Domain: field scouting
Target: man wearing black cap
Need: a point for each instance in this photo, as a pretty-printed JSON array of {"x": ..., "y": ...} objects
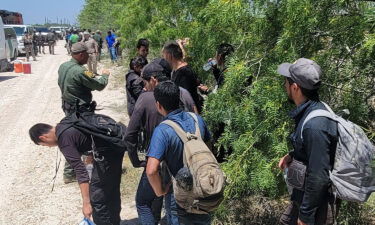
[
  {"x": 313, "y": 148},
  {"x": 76, "y": 84}
]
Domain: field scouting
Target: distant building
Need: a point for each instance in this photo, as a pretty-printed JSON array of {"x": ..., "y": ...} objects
[{"x": 11, "y": 17}]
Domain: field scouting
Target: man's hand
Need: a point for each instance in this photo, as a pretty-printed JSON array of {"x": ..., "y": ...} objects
[
  {"x": 300, "y": 222},
  {"x": 284, "y": 161},
  {"x": 203, "y": 88},
  {"x": 106, "y": 72},
  {"x": 87, "y": 210}
]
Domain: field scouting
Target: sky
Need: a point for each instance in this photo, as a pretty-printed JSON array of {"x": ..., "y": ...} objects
[{"x": 35, "y": 11}]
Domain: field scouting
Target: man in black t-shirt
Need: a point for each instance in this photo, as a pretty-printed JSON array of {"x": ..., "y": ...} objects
[
  {"x": 101, "y": 194},
  {"x": 182, "y": 74}
]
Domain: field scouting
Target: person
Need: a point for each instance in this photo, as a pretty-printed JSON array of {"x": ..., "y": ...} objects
[
  {"x": 217, "y": 66},
  {"x": 29, "y": 48},
  {"x": 35, "y": 42},
  {"x": 100, "y": 195},
  {"x": 51, "y": 39},
  {"x": 67, "y": 42},
  {"x": 182, "y": 74},
  {"x": 111, "y": 39},
  {"x": 166, "y": 145},
  {"x": 134, "y": 83},
  {"x": 98, "y": 38},
  {"x": 118, "y": 49},
  {"x": 92, "y": 50},
  {"x": 315, "y": 148},
  {"x": 146, "y": 118},
  {"x": 143, "y": 47},
  {"x": 76, "y": 85},
  {"x": 40, "y": 42},
  {"x": 74, "y": 38}
]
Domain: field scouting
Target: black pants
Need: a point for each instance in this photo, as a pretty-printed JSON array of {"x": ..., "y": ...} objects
[
  {"x": 105, "y": 189},
  {"x": 325, "y": 215}
]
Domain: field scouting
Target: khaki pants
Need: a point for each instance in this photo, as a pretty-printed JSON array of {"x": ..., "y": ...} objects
[
  {"x": 51, "y": 47},
  {"x": 92, "y": 63},
  {"x": 29, "y": 49}
]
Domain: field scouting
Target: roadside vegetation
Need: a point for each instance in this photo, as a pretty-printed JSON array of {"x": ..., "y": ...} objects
[{"x": 338, "y": 34}]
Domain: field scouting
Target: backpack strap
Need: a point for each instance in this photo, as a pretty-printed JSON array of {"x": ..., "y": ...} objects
[
  {"x": 319, "y": 113},
  {"x": 185, "y": 136},
  {"x": 197, "y": 130}
]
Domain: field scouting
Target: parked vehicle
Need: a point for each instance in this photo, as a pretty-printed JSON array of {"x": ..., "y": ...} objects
[
  {"x": 11, "y": 43},
  {"x": 11, "y": 17},
  {"x": 20, "y": 32},
  {"x": 60, "y": 31},
  {"x": 3, "y": 52}
]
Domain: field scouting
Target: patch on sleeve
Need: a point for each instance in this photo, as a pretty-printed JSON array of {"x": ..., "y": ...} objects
[{"x": 89, "y": 74}]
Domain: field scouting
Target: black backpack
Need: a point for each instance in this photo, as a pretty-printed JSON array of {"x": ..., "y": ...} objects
[{"x": 99, "y": 126}]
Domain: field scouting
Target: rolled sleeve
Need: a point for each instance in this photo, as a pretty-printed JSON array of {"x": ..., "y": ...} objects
[
  {"x": 96, "y": 83},
  {"x": 159, "y": 143},
  {"x": 131, "y": 135},
  {"x": 317, "y": 146}
]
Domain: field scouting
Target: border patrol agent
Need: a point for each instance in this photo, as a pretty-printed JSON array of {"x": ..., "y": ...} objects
[{"x": 76, "y": 84}]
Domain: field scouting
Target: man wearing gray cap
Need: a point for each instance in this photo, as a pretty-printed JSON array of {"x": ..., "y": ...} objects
[
  {"x": 76, "y": 84},
  {"x": 313, "y": 148}
]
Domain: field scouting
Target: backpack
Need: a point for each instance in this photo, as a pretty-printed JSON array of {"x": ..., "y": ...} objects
[
  {"x": 99, "y": 126},
  {"x": 352, "y": 174},
  {"x": 208, "y": 181}
]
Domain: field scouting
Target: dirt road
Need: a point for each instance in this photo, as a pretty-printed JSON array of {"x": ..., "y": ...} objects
[{"x": 26, "y": 170}]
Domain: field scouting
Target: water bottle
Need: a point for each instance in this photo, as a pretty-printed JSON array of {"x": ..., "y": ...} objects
[
  {"x": 209, "y": 65},
  {"x": 89, "y": 168}
]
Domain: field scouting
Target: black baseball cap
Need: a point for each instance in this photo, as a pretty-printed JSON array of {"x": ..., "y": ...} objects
[
  {"x": 152, "y": 69},
  {"x": 304, "y": 72}
]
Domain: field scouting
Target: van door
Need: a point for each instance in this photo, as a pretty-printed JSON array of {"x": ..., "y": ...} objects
[{"x": 3, "y": 53}]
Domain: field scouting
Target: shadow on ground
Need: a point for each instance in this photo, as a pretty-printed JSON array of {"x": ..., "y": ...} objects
[{"x": 4, "y": 78}]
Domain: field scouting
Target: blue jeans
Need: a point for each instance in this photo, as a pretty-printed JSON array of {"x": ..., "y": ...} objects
[
  {"x": 171, "y": 209},
  {"x": 112, "y": 52},
  {"x": 147, "y": 203}
]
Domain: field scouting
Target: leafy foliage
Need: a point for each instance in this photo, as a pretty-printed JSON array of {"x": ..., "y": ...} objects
[{"x": 337, "y": 34}]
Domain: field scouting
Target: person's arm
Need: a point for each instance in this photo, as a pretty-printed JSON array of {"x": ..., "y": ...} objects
[
  {"x": 94, "y": 83},
  {"x": 73, "y": 157},
  {"x": 153, "y": 175},
  {"x": 156, "y": 152},
  {"x": 137, "y": 88},
  {"x": 96, "y": 47},
  {"x": 86, "y": 208},
  {"x": 131, "y": 135},
  {"x": 317, "y": 146}
]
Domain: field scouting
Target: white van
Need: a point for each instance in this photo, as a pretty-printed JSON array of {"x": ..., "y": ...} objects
[
  {"x": 20, "y": 32},
  {"x": 3, "y": 51},
  {"x": 11, "y": 43}
]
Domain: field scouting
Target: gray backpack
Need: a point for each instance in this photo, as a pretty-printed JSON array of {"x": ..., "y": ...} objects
[
  {"x": 352, "y": 174},
  {"x": 204, "y": 192}
]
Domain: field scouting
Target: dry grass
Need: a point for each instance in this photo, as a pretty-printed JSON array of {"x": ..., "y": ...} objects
[{"x": 129, "y": 180}]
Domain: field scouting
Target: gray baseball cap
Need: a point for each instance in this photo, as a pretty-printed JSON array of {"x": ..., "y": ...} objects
[
  {"x": 79, "y": 47},
  {"x": 305, "y": 72}
]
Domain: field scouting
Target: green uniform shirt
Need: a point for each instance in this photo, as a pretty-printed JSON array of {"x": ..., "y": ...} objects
[{"x": 76, "y": 82}]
